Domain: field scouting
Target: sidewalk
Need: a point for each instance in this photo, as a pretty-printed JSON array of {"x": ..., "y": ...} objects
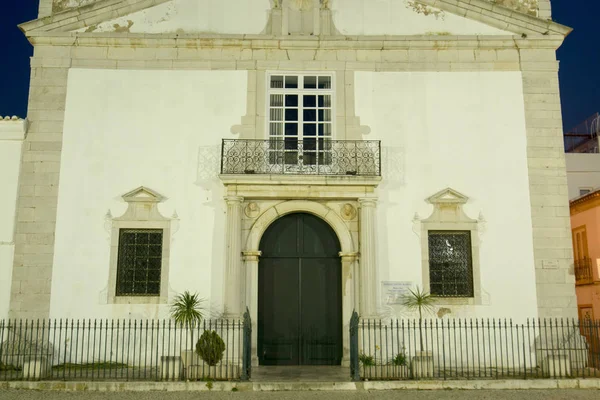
[{"x": 540, "y": 384}]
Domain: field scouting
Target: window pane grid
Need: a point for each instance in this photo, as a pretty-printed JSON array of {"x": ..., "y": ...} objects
[
  {"x": 139, "y": 262},
  {"x": 450, "y": 264},
  {"x": 300, "y": 115}
]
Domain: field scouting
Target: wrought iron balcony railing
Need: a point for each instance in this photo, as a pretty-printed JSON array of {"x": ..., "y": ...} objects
[
  {"x": 583, "y": 271},
  {"x": 301, "y": 157}
]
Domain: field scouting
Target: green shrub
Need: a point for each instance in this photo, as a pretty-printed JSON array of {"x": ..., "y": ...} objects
[
  {"x": 400, "y": 359},
  {"x": 367, "y": 361},
  {"x": 210, "y": 347}
]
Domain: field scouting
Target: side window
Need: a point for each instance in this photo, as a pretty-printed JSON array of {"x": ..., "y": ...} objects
[
  {"x": 140, "y": 251},
  {"x": 450, "y": 250},
  {"x": 139, "y": 262},
  {"x": 450, "y": 264}
]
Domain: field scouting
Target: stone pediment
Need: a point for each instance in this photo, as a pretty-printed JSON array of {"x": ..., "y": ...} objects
[
  {"x": 144, "y": 195},
  {"x": 259, "y": 17},
  {"x": 448, "y": 196}
]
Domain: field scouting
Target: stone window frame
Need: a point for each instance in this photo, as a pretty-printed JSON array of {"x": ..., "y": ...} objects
[
  {"x": 448, "y": 215},
  {"x": 142, "y": 213}
]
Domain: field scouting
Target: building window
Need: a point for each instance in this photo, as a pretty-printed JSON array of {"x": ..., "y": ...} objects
[
  {"x": 140, "y": 248},
  {"x": 450, "y": 250},
  {"x": 300, "y": 119},
  {"x": 450, "y": 264},
  {"x": 584, "y": 191},
  {"x": 139, "y": 262}
]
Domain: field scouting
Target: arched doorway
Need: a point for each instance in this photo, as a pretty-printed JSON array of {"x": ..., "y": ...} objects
[{"x": 299, "y": 293}]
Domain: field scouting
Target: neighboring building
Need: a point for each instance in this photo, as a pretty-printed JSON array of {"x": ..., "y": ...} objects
[
  {"x": 301, "y": 158},
  {"x": 585, "y": 222},
  {"x": 583, "y": 158},
  {"x": 583, "y": 178}
]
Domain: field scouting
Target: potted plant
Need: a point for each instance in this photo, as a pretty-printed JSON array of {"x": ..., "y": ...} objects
[
  {"x": 421, "y": 301},
  {"x": 188, "y": 312}
]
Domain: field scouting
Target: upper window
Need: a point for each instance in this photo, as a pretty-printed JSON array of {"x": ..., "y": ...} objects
[
  {"x": 450, "y": 264},
  {"x": 300, "y": 119},
  {"x": 139, "y": 262},
  {"x": 584, "y": 191}
]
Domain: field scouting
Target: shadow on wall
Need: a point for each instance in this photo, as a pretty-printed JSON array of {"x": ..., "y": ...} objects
[{"x": 208, "y": 168}]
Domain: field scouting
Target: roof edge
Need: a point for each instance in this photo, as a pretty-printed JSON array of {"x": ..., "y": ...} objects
[
  {"x": 478, "y": 10},
  {"x": 499, "y": 17},
  {"x": 86, "y": 15}
]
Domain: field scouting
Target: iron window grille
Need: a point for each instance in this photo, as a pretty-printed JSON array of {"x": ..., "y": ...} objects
[
  {"x": 139, "y": 262},
  {"x": 450, "y": 264}
]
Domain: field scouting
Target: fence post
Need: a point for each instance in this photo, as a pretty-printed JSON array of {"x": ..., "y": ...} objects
[
  {"x": 247, "y": 347},
  {"x": 354, "y": 368}
]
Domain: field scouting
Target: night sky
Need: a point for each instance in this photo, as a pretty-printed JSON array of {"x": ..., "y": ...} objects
[{"x": 579, "y": 58}]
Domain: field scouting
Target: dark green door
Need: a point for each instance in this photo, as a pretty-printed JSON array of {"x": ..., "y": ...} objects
[{"x": 300, "y": 293}]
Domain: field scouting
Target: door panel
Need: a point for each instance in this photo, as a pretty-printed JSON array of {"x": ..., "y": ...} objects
[
  {"x": 320, "y": 316},
  {"x": 279, "y": 280},
  {"x": 299, "y": 306}
]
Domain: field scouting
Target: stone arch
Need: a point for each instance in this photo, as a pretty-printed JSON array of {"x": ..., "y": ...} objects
[{"x": 293, "y": 206}]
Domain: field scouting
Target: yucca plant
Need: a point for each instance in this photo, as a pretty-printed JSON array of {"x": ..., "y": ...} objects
[
  {"x": 419, "y": 300},
  {"x": 187, "y": 311}
]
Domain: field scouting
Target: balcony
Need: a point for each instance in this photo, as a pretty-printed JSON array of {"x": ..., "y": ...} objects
[
  {"x": 583, "y": 271},
  {"x": 291, "y": 156}
]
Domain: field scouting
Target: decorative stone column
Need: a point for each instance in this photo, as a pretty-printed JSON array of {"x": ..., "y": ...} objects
[
  {"x": 251, "y": 265},
  {"x": 349, "y": 298},
  {"x": 233, "y": 279},
  {"x": 368, "y": 266}
]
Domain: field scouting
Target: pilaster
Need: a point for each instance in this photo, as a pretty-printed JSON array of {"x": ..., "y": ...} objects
[
  {"x": 553, "y": 253},
  {"x": 234, "y": 290},
  {"x": 251, "y": 259},
  {"x": 38, "y": 193},
  {"x": 368, "y": 262}
]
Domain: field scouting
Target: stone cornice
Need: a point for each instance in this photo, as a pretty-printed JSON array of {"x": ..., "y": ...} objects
[
  {"x": 140, "y": 40},
  {"x": 499, "y": 17},
  {"x": 13, "y": 129},
  {"x": 87, "y": 15},
  {"x": 585, "y": 202}
]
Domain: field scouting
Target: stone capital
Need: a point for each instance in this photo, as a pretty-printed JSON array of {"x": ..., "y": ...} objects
[
  {"x": 234, "y": 200},
  {"x": 251, "y": 255},
  {"x": 348, "y": 256},
  {"x": 367, "y": 202}
]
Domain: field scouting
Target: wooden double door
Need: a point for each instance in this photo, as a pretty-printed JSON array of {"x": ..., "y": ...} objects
[{"x": 300, "y": 293}]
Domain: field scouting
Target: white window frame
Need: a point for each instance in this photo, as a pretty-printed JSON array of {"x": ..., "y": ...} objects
[{"x": 301, "y": 92}]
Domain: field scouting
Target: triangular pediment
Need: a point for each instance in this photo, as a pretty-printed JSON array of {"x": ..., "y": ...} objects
[
  {"x": 448, "y": 196},
  {"x": 143, "y": 194},
  {"x": 352, "y": 17}
]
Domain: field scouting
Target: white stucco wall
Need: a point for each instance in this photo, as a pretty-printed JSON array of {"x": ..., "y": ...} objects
[
  {"x": 124, "y": 129},
  {"x": 583, "y": 171},
  {"x": 10, "y": 159},
  {"x": 465, "y": 131}
]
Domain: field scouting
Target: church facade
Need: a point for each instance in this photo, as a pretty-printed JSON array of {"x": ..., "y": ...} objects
[{"x": 297, "y": 158}]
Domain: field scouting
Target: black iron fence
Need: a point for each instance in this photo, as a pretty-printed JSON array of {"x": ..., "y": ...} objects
[
  {"x": 474, "y": 349},
  {"x": 122, "y": 350},
  {"x": 318, "y": 156}
]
